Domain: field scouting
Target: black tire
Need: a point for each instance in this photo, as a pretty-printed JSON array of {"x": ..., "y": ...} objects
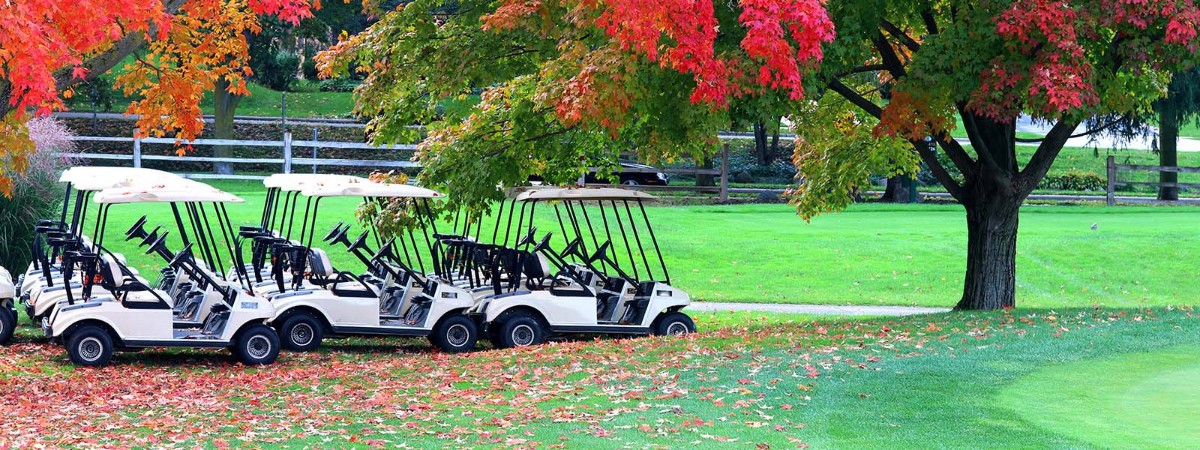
[
  {"x": 520, "y": 330},
  {"x": 8, "y": 324},
  {"x": 256, "y": 345},
  {"x": 90, "y": 346},
  {"x": 675, "y": 323},
  {"x": 301, "y": 333},
  {"x": 455, "y": 334}
]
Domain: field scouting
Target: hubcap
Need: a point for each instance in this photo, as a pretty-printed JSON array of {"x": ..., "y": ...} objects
[
  {"x": 90, "y": 349},
  {"x": 258, "y": 346},
  {"x": 302, "y": 334},
  {"x": 677, "y": 328},
  {"x": 458, "y": 335},
  {"x": 522, "y": 335}
]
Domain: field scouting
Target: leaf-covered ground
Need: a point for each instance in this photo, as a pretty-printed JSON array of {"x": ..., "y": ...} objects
[{"x": 748, "y": 381}]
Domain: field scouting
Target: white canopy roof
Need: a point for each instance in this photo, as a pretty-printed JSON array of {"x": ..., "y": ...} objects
[
  {"x": 299, "y": 181},
  {"x": 371, "y": 189},
  {"x": 91, "y": 178},
  {"x": 558, "y": 193},
  {"x": 197, "y": 192}
]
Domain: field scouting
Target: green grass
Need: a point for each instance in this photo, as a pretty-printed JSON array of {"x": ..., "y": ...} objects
[
  {"x": 871, "y": 254},
  {"x": 305, "y": 100},
  {"x": 947, "y": 380},
  {"x": 1146, "y": 399}
]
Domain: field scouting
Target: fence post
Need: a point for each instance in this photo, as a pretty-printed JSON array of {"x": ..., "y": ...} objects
[
  {"x": 314, "y": 150},
  {"x": 1112, "y": 180},
  {"x": 287, "y": 152},
  {"x": 137, "y": 150},
  {"x": 725, "y": 172}
]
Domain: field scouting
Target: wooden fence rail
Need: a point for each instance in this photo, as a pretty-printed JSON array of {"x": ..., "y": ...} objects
[
  {"x": 1113, "y": 182},
  {"x": 287, "y": 159}
]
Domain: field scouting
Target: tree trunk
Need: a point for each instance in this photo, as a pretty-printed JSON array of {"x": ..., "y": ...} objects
[
  {"x": 706, "y": 179},
  {"x": 760, "y": 143},
  {"x": 224, "y": 106},
  {"x": 774, "y": 142},
  {"x": 991, "y": 253},
  {"x": 896, "y": 191},
  {"x": 1168, "y": 138}
]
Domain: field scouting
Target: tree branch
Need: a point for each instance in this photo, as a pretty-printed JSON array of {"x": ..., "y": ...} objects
[
  {"x": 904, "y": 38},
  {"x": 1076, "y": 135},
  {"x": 890, "y": 60},
  {"x": 103, "y": 62},
  {"x": 857, "y": 99},
  {"x": 861, "y": 69},
  {"x": 981, "y": 147},
  {"x": 958, "y": 155},
  {"x": 1045, "y": 155},
  {"x": 930, "y": 23},
  {"x": 931, "y": 160}
]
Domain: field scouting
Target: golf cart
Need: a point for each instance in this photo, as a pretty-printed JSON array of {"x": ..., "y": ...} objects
[
  {"x": 53, "y": 238},
  {"x": 44, "y": 297},
  {"x": 392, "y": 299},
  {"x": 8, "y": 308},
  {"x": 129, "y": 314},
  {"x": 595, "y": 293}
]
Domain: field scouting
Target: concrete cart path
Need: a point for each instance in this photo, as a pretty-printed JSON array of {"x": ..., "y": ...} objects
[{"x": 816, "y": 309}]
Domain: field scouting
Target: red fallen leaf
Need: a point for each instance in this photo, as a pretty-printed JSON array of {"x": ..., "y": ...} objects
[
  {"x": 645, "y": 428},
  {"x": 353, "y": 438},
  {"x": 786, "y": 406},
  {"x": 745, "y": 381}
]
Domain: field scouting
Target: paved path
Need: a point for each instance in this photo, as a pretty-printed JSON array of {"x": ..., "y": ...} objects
[{"x": 816, "y": 309}]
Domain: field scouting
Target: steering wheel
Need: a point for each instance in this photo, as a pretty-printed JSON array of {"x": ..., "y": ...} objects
[
  {"x": 337, "y": 229},
  {"x": 182, "y": 256},
  {"x": 543, "y": 244},
  {"x": 572, "y": 248},
  {"x": 528, "y": 239},
  {"x": 150, "y": 237},
  {"x": 361, "y": 242},
  {"x": 601, "y": 252},
  {"x": 137, "y": 230},
  {"x": 158, "y": 243},
  {"x": 384, "y": 250}
]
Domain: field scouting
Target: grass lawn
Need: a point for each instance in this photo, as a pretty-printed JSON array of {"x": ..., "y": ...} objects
[
  {"x": 305, "y": 100},
  {"x": 872, "y": 254},
  {"x": 956, "y": 380}
]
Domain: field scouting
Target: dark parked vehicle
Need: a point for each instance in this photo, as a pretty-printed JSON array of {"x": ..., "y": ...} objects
[{"x": 631, "y": 174}]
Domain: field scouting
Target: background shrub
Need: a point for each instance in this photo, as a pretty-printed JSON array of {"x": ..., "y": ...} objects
[
  {"x": 340, "y": 84},
  {"x": 36, "y": 193},
  {"x": 1074, "y": 180}
]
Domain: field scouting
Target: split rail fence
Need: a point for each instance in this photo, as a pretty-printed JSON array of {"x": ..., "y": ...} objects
[{"x": 1114, "y": 181}]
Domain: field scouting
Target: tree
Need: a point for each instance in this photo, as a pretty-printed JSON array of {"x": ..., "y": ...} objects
[
  {"x": 568, "y": 81},
  {"x": 1181, "y": 105},
  {"x": 190, "y": 44},
  {"x": 571, "y": 83},
  {"x": 988, "y": 62}
]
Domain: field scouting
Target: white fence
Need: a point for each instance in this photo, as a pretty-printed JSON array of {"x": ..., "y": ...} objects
[{"x": 286, "y": 147}]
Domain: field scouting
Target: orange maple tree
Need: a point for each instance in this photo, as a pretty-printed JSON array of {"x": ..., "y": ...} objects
[{"x": 190, "y": 44}]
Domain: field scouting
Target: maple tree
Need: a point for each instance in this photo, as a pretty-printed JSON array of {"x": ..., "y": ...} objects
[
  {"x": 988, "y": 62},
  {"x": 561, "y": 90},
  {"x": 189, "y": 46},
  {"x": 568, "y": 84}
]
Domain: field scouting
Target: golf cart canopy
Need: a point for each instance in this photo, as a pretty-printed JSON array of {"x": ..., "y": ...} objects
[
  {"x": 99, "y": 178},
  {"x": 299, "y": 181},
  {"x": 372, "y": 189},
  {"x": 167, "y": 194},
  {"x": 582, "y": 194}
]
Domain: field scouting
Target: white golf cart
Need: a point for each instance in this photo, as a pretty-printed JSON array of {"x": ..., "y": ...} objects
[
  {"x": 8, "y": 307},
  {"x": 52, "y": 238},
  {"x": 391, "y": 300},
  {"x": 594, "y": 294},
  {"x": 132, "y": 315}
]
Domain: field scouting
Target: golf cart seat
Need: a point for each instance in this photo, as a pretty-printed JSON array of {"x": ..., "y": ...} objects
[
  {"x": 537, "y": 272},
  {"x": 342, "y": 284},
  {"x": 134, "y": 293}
]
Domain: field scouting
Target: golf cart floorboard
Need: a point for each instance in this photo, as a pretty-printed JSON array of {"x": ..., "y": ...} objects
[
  {"x": 605, "y": 329},
  {"x": 179, "y": 325},
  {"x": 405, "y": 330},
  {"x": 177, "y": 343},
  {"x": 192, "y": 334}
]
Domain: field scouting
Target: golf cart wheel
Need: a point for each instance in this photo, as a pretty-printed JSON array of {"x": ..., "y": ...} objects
[
  {"x": 675, "y": 324},
  {"x": 8, "y": 323},
  {"x": 455, "y": 334},
  {"x": 301, "y": 333},
  {"x": 257, "y": 345},
  {"x": 521, "y": 330},
  {"x": 90, "y": 346},
  {"x": 630, "y": 182}
]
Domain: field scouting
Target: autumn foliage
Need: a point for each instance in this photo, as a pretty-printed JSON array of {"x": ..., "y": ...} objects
[{"x": 190, "y": 44}]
